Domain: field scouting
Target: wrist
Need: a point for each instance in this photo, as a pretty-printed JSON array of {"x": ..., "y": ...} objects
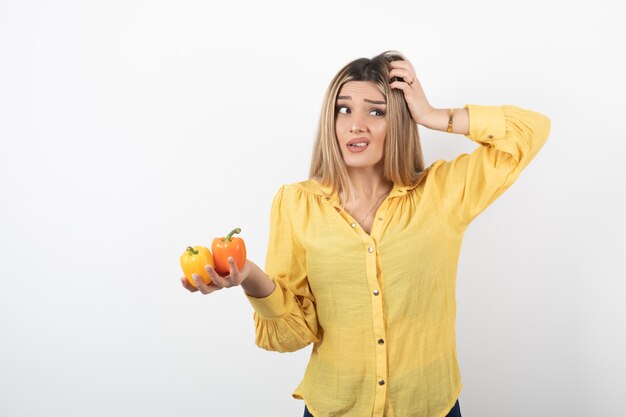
[
  {"x": 257, "y": 284},
  {"x": 430, "y": 117},
  {"x": 250, "y": 269},
  {"x": 438, "y": 119}
]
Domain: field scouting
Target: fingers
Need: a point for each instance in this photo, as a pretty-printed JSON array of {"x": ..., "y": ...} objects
[
  {"x": 229, "y": 280},
  {"x": 234, "y": 271},
  {"x": 402, "y": 64},
  {"x": 187, "y": 285},
  {"x": 401, "y": 85},
  {"x": 405, "y": 74},
  {"x": 204, "y": 288},
  {"x": 217, "y": 282},
  {"x": 402, "y": 69}
]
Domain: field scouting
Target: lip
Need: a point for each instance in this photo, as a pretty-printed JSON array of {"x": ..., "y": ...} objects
[{"x": 359, "y": 140}]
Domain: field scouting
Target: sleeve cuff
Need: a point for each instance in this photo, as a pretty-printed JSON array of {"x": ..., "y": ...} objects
[
  {"x": 274, "y": 305},
  {"x": 486, "y": 123}
]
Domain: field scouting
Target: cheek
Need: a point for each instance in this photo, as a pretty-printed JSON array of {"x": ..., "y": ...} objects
[
  {"x": 340, "y": 125},
  {"x": 381, "y": 132}
]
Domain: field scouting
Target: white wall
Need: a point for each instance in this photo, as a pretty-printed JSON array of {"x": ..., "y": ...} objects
[{"x": 132, "y": 129}]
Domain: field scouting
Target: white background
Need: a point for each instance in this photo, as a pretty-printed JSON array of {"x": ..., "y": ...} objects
[{"x": 132, "y": 129}]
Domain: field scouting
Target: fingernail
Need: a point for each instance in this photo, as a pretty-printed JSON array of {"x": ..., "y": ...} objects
[
  {"x": 208, "y": 267},
  {"x": 230, "y": 259}
]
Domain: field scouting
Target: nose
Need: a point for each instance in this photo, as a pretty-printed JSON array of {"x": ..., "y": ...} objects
[{"x": 357, "y": 123}]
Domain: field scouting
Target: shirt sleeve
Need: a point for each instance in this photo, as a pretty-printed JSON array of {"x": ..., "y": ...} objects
[
  {"x": 285, "y": 320},
  {"x": 510, "y": 137}
]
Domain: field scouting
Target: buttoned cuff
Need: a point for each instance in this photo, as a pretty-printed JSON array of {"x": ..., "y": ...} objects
[
  {"x": 274, "y": 305},
  {"x": 486, "y": 123}
]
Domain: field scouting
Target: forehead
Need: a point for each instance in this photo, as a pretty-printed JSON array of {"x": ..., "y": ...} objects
[{"x": 365, "y": 89}]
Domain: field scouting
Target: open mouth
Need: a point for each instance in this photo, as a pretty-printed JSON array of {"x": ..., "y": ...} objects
[{"x": 357, "y": 146}]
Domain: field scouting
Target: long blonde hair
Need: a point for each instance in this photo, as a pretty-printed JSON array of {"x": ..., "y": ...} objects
[{"x": 403, "y": 160}]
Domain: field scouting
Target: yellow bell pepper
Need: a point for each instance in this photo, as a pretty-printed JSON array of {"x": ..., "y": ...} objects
[{"x": 194, "y": 260}]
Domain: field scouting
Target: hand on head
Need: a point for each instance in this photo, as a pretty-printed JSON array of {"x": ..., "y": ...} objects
[{"x": 411, "y": 87}]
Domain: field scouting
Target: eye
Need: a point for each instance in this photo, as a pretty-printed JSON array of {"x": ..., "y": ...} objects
[{"x": 338, "y": 109}]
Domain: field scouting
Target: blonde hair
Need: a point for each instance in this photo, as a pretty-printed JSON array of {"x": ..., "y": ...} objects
[{"x": 403, "y": 161}]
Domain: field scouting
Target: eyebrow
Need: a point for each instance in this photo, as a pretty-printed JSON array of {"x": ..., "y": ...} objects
[{"x": 365, "y": 99}]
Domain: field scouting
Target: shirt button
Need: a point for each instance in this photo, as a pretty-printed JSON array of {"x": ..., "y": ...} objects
[
  {"x": 376, "y": 292},
  {"x": 380, "y": 219},
  {"x": 490, "y": 136},
  {"x": 381, "y": 342},
  {"x": 353, "y": 224},
  {"x": 381, "y": 382},
  {"x": 370, "y": 249}
]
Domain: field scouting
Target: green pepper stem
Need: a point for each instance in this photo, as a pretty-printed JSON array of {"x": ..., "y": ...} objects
[
  {"x": 237, "y": 230},
  {"x": 192, "y": 251}
]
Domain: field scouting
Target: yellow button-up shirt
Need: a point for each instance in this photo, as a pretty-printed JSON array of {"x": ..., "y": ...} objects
[{"x": 380, "y": 308}]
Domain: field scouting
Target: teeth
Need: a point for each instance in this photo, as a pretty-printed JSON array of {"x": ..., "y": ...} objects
[{"x": 361, "y": 144}]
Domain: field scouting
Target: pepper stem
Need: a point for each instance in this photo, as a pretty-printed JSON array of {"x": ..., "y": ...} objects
[
  {"x": 192, "y": 251},
  {"x": 227, "y": 238}
]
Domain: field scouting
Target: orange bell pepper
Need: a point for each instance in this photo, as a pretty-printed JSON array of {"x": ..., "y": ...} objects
[
  {"x": 194, "y": 260},
  {"x": 223, "y": 248}
]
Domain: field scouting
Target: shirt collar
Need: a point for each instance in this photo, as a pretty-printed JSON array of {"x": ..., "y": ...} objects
[{"x": 314, "y": 187}]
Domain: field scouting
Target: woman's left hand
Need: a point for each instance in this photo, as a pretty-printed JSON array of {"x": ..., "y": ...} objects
[{"x": 413, "y": 92}]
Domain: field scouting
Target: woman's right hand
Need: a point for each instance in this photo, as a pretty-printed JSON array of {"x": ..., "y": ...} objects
[{"x": 236, "y": 277}]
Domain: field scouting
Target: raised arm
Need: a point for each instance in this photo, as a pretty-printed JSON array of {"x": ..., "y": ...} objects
[{"x": 510, "y": 138}]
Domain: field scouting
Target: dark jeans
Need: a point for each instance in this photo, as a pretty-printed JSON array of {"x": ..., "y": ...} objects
[{"x": 455, "y": 412}]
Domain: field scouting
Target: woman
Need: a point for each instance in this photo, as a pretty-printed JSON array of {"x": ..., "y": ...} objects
[{"x": 362, "y": 256}]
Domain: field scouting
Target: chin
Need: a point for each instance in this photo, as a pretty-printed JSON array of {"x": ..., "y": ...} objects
[{"x": 359, "y": 164}]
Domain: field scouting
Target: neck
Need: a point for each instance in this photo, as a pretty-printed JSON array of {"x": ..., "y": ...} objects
[{"x": 367, "y": 186}]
